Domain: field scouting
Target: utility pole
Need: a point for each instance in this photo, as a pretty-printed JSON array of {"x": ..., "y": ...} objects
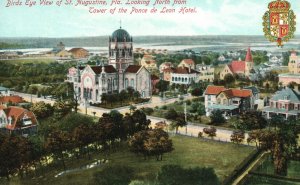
[{"x": 185, "y": 117}]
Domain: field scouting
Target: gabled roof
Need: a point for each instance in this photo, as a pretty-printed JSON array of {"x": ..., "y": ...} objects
[
  {"x": 107, "y": 69},
  {"x": 12, "y": 99},
  {"x": 231, "y": 93},
  {"x": 168, "y": 64},
  {"x": 169, "y": 70},
  {"x": 214, "y": 90},
  {"x": 237, "y": 66},
  {"x": 133, "y": 69},
  {"x": 16, "y": 113},
  {"x": 188, "y": 61},
  {"x": 184, "y": 70},
  {"x": 286, "y": 94}
]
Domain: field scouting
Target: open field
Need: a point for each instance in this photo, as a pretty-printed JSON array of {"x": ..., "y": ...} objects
[{"x": 189, "y": 152}]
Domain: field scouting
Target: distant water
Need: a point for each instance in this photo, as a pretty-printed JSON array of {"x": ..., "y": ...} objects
[{"x": 171, "y": 43}]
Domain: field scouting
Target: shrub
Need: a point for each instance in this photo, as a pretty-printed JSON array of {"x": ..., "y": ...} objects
[
  {"x": 148, "y": 110},
  {"x": 176, "y": 175},
  {"x": 164, "y": 107},
  {"x": 188, "y": 102},
  {"x": 116, "y": 175}
]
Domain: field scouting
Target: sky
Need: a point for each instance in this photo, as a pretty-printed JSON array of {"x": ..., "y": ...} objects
[{"x": 213, "y": 17}]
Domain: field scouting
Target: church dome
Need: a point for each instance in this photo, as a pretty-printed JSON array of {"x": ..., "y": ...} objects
[{"x": 121, "y": 35}]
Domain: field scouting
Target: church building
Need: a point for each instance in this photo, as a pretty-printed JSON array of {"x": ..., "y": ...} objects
[
  {"x": 242, "y": 68},
  {"x": 90, "y": 82}
]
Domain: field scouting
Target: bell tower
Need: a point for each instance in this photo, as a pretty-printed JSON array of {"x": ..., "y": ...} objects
[
  {"x": 120, "y": 53},
  {"x": 249, "y": 64}
]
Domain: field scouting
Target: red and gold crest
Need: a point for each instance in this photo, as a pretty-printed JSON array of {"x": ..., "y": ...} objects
[{"x": 279, "y": 22}]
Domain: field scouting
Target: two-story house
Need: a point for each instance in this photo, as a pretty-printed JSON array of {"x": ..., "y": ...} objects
[
  {"x": 285, "y": 102},
  {"x": 229, "y": 101},
  {"x": 18, "y": 120}
]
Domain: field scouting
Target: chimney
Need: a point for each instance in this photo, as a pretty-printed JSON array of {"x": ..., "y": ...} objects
[{"x": 190, "y": 69}]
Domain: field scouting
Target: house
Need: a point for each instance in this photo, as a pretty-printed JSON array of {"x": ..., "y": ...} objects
[
  {"x": 285, "y": 102},
  {"x": 164, "y": 66},
  {"x": 294, "y": 63},
  {"x": 148, "y": 62},
  {"x": 206, "y": 73},
  {"x": 4, "y": 100},
  {"x": 4, "y": 91},
  {"x": 221, "y": 58},
  {"x": 229, "y": 101},
  {"x": 167, "y": 74},
  {"x": 18, "y": 120},
  {"x": 242, "y": 68},
  {"x": 189, "y": 63},
  {"x": 211, "y": 93},
  {"x": 294, "y": 71},
  {"x": 78, "y": 53},
  {"x": 184, "y": 75}
]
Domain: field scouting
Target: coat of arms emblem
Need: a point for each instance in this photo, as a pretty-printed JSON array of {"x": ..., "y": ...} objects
[{"x": 279, "y": 22}]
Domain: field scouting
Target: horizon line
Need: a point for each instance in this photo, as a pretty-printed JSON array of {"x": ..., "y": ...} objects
[{"x": 38, "y": 37}]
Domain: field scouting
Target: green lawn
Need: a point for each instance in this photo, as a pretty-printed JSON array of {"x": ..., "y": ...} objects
[{"x": 189, "y": 152}]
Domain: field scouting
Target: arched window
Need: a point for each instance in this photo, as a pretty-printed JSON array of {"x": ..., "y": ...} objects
[
  {"x": 175, "y": 79},
  {"x": 172, "y": 78},
  {"x": 182, "y": 79},
  {"x": 185, "y": 79}
]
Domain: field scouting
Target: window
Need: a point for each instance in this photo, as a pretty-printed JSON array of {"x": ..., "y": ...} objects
[
  {"x": 209, "y": 97},
  {"x": 132, "y": 82}
]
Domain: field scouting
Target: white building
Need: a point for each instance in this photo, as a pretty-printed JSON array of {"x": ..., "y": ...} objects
[
  {"x": 184, "y": 75},
  {"x": 206, "y": 73}
]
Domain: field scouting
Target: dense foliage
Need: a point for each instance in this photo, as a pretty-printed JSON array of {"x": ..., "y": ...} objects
[{"x": 176, "y": 175}]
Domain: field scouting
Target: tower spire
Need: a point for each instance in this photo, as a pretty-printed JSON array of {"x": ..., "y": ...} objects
[
  {"x": 120, "y": 24},
  {"x": 249, "y": 55}
]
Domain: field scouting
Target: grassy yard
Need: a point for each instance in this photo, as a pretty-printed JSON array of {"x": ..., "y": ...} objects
[{"x": 189, "y": 152}]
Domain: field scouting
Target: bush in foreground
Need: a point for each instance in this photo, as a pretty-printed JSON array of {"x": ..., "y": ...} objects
[
  {"x": 176, "y": 175},
  {"x": 114, "y": 175}
]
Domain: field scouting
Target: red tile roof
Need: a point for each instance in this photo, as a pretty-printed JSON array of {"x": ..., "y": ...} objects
[
  {"x": 133, "y": 69},
  {"x": 237, "y": 66},
  {"x": 17, "y": 113},
  {"x": 184, "y": 70},
  {"x": 107, "y": 69},
  {"x": 11, "y": 99},
  {"x": 230, "y": 93},
  {"x": 214, "y": 90},
  {"x": 188, "y": 61}
]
